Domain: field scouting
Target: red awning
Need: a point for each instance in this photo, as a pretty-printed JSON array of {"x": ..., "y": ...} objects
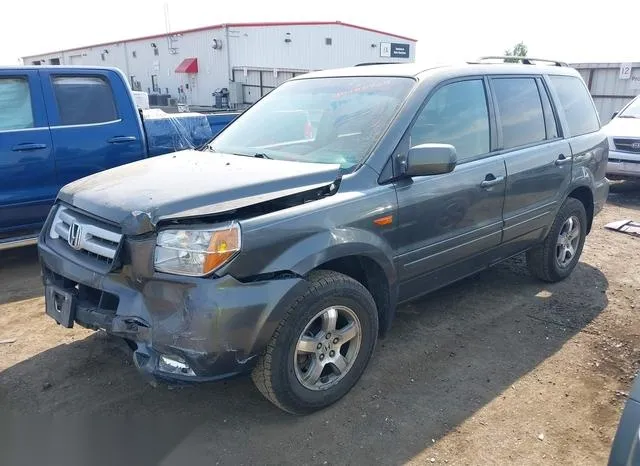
[{"x": 188, "y": 65}]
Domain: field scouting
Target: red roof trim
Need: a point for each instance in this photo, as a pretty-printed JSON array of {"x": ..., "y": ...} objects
[
  {"x": 188, "y": 65},
  {"x": 231, "y": 25}
]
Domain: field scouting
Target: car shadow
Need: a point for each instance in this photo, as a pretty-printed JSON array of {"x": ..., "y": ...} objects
[
  {"x": 446, "y": 356},
  {"x": 625, "y": 194},
  {"x": 20, "y": 275}
]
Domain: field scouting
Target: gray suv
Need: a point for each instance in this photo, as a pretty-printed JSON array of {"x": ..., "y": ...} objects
[{"x": 284, "y": 246}]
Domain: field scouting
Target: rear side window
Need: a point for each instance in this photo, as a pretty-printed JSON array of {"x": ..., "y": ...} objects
[
  {"x": 455, "y": 114},
  {"x": 15, "y": 104},
  {"x": 84, "y": 100},
  {"x": 520, "y": 110},
  {"x": 576, "y": 102}
]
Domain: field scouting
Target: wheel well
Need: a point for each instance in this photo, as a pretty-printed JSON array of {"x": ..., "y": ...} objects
[
  {"x": 584, "y": 195},
  {"x": 371, "y": 275}
]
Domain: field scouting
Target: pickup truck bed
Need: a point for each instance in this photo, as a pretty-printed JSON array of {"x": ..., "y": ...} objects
[{"x": 171, "y": 132}]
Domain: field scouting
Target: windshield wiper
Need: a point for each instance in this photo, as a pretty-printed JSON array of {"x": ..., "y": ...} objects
[
  {"x": 261, "y": 155},
  {"x": 627, "y": 116}
]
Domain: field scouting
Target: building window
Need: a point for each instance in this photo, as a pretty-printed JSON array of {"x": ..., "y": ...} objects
[
  {"x": 102, "y": 56},
  {"x": 54, "y": 61},
  {"x": 84, "y": 100},
  {"x": 36, "y": 62},
  {"x": 156, "y": 51},
  {"x": 328, "y": 41},
  {"x": 154, "y": 83},
  {"x": 134, "y": 54}
]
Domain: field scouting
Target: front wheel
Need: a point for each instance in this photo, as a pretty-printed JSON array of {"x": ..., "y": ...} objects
[
  {"x": 557, "y": 256},
  {"x": 321, "y": 347}
]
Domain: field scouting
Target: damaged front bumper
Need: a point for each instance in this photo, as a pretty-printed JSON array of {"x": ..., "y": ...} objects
[{"x": 184, "y": 329}]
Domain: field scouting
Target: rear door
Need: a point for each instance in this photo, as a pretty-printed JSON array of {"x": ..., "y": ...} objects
[
  {"x": 27, "y": 171},
  {"x": 94, "y": 124},
  {"x": 447, "y": 222},
  {"x": 538, "y": 159}
]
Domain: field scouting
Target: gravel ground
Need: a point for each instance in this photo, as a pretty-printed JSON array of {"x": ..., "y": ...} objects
[{"x": 497, "y": 369}]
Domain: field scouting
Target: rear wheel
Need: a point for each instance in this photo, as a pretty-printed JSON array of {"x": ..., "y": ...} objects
[
  {"x": 557, "y": 256},
  {"x": 321, "y": 347}
]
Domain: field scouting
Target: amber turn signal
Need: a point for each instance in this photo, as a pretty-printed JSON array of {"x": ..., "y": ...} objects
[
  {"x": 222, "y": 246},
  {"x": 386, "y": 220}
]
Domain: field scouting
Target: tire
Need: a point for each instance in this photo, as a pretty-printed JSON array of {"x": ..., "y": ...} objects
[
  {"x": 543, "y": 261},
  {"x": 280, "y": 373}
]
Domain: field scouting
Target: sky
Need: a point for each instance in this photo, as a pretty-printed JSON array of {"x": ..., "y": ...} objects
[{"x": 449, "y": 30}]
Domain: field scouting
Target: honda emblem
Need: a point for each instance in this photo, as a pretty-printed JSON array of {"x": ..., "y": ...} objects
[
  {"x": 75, "y": 236},
  {"x": 635, "y": 146}
]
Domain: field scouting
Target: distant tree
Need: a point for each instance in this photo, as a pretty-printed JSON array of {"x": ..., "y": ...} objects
[{"x": 518, "y": 50}]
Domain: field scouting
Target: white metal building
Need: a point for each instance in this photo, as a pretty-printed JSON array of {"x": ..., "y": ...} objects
[
  {"x": 249, "y": 59},
  {"x": 612, "y": 85}
]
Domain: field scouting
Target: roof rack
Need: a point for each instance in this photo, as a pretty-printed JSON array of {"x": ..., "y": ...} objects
[{"x": 523, "y": 60}]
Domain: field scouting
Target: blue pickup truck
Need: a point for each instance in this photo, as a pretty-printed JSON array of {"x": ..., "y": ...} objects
[{"x": 59, "y": 124}]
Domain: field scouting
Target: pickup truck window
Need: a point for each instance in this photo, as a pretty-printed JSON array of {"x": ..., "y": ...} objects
[
  {"x": 520, "y": 110},
  {"x": 323, "y": 120},
  {"x": 455, "y": 114},
  {"x": 84, "y": 100},
  {"x": 15, "y": 102},
  {"x": 577, "y": 104}
]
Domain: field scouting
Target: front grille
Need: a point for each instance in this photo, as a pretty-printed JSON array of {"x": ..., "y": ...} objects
[
  {"x": 627, "y": 145},
  {"x": 85, "y": 234}
]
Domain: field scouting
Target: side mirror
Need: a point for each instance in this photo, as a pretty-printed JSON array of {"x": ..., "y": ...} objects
[
  {"x": 615, "y": 114},
  {"x": 430, "y": 159}
]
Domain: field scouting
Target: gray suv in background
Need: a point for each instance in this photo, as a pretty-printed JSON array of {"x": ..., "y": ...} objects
[{"x": 283, "y": 251}]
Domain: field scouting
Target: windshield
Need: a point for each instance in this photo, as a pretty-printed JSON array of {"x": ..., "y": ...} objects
[
  {"x": 632, "y": 111},
  {"x": 328, "y": 120}
]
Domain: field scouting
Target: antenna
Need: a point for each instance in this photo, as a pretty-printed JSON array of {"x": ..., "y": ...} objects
[
  {"x": 171, "y": 39},
  {"x": 167, "y": 23}
]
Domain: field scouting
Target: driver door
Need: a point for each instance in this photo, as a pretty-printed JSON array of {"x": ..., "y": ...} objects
[{"x": 449, "y": 223}]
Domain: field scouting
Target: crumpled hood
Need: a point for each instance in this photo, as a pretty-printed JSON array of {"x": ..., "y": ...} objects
[
  {"x": 623, "y": 127},
  {"x": 190, "y": 184}
]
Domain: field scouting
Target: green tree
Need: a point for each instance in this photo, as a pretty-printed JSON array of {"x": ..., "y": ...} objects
[{"x": 518, "y": 50}]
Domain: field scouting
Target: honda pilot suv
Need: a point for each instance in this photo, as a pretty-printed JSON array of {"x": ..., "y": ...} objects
[{"x": 283, "y": 252}]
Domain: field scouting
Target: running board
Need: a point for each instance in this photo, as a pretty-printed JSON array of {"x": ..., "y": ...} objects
[{"x": 18, "y": 242}]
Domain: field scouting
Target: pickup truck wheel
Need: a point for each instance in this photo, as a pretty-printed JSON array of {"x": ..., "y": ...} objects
[
  {"x": 557, "y": 256},
  {"x": 321, "y": 347}
]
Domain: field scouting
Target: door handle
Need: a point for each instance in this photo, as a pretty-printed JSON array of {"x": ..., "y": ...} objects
[
  {"x": 121, "y": 139},
  {"x": 28, "y": 146},
  {"x": 491, "y": 180},
  {"x": 562, "y": 160}
]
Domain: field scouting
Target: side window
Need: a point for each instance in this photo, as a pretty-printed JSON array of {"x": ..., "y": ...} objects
[
  {"x": 577, "y": 104},
  {"x": 520, "y": 110},
  {"x": 455, "y": 114},
  {"x": 15, "y": 104},
  {"x": 549, "y": 118},
  {"x": 84, "y": 99}
]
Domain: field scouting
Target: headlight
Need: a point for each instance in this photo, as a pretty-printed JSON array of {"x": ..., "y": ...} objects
[{"x": 196, "y": 252}]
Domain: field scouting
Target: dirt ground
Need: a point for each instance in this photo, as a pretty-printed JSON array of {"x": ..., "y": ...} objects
[{"x": 497, "y": 369}]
